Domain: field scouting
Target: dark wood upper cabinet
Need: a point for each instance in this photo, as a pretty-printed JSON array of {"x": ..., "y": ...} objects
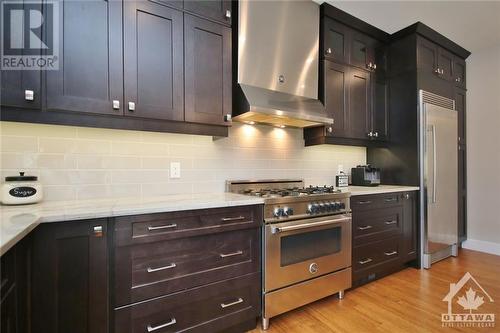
[
  {"x": 359, "y": 103},
  {"x": 90, "y": 71},
  {"x": 20, "y": 88},
  {"x": 153, "y": 61},
  {"x": 459, "y": 74},
  {"x": 427, "y": 55},
  {"x": 70, "y": 287},
  {"x": 335, "y": 38},
  {"x": 336, "y": 97},
  {"x": 362, "y": 51},
  {"x": 207, "y": 70},
  {"x": 445, "y": 64},
  {"x": 218, "y": 10}
]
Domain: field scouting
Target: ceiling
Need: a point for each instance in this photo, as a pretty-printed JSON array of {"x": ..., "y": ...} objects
[{"x": 473, "y": 25}]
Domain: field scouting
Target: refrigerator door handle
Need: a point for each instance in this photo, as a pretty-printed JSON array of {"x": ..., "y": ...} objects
[{"x": 434, "y": 163}]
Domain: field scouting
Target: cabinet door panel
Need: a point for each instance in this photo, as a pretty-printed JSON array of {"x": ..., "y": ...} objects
[
  {"x": 70, "y": 287},
  {"x": 359, "y": 103},
  {"x": 14, "y": 83},
  {"x": 336, "y": 96},
  {"x": 427, "y": 55},
  {"x": 380, "y": 109},
  {"x": 360, "y": 50},
  {"x": 445, "y": 64},
  {"x": 153, "y": 80},
  {"x": 219, "y": 10},
  {"x": 207, "y": 71},
  {"x": 410, "y": 225},
  {"x": 336, "y": 38},
  {"x": 459, "y": 72},
  {"x": 90, "y": 67},
  {"x": 460, "y": 100}
]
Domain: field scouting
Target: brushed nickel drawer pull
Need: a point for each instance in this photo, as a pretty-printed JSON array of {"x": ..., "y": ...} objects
[
  {"x": 391, "y": 222},
  {"x": 391, "y": 253},
  {"x": 237, "y": 253},
  {"x": 391, "y": 199},
  {"x": 226, "y": 219},
  {"x": 168, "y": 226},
  {"x": 362, "y": 262},
  {"x": 366, "y": 227},
  {"x": 364, "y": 202},
  {"x": 151, "y": 270},
  {"x": 154, "y": 328},
  {"x": 224, "y": 305}
]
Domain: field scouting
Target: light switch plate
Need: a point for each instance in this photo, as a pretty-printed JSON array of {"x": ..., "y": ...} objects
[{"x": 175, "y": 170}]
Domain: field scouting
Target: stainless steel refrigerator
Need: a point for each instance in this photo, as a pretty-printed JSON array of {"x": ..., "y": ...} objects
[{"x": 438, "y": 156}]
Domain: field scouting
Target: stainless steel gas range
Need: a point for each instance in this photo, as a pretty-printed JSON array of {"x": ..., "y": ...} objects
[{"x": 306, "y": 242}]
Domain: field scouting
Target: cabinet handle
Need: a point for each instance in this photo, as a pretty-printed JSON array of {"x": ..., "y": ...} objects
[
  {"x": 328, "y": 51},
  {"x": 375, "y": 134},
  {"x": 225, "y": 305},
  {"x": 458, "y": 79},
  {"x": 442, "y": 71},
  {"x": 390, "y": 253},
  {"x": 437, "y": 71},
  {"x": 116, "y": 104},
  {"x": 365, "y": 227},
  {"x": 391, "y": 199},
  {"x": 281, "y": 78},
  {"x": 374, "y": 66},
  {"x": 98, "y": 231},
  {"x": 407, "y": 196},
  {"x": 329, "y": 129},
  {"x": 237, "y": 218},
  {"x": 369, "y": 65},
  {"x": 370, "y": 134},
  {"x": 227, "y": 118},
  {"x": 152, "y": 270},
  {"x": 29, "y": 95},
  {"x": 131, "y": 106},
  {"x": 168, "y": 226},
  {"x": 228, "y": 14},
  {"x": 237, "y": 253},
  {"x": 366, "y": 261},
  {"x": 391, "y": 222},
  {"x": 364, "y": 202},
  {"x": 154, "y": 328}
]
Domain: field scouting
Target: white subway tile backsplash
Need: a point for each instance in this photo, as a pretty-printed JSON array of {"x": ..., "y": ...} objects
[{"x": 82, "y": 163}]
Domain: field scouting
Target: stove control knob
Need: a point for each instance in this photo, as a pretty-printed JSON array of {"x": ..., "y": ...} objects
[
  {"x": 331, "y": 206},
  {"x": 322, "y": 207},
  {"x": 287, "y": 211},
  {"x": 279, "y": 212},
  {"x": 342, "y": 205},
  {"x": 309, "y": 209}
]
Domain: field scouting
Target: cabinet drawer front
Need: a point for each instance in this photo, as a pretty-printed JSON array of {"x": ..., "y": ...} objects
[
  {"x": 164, "y": 226},
  {"x": 377, "y": 224},
  {"x": 366, "y": 202},
  {"x": 210, "y": 308},
  {"x": 368, "y": 256},
  {"x": 161, "y": 268}
]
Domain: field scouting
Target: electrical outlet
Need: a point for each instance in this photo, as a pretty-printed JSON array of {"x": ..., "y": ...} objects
[{"x": 175, "y": 170}]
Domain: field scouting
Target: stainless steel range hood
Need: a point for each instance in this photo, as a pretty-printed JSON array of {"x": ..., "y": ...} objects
[{"x": 278, "y": 45}]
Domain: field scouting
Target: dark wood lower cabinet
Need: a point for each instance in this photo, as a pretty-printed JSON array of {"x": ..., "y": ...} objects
[
  {"x": 70, "y": 277},
  {"x": 385, "y": 231},
  {"x": 15, "y": 288},
  {"x": 211, "y": 308}
]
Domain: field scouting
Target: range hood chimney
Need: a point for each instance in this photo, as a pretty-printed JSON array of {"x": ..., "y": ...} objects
[{"x": 278, "y": 45}]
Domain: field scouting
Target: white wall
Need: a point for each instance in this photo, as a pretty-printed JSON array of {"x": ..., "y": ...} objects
[
  {"x": 483, "y": 147},
  {"x": 81, "y": 163}
]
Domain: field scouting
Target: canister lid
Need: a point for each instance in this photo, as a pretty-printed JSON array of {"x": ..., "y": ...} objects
[{"x": 21, "y": 178}]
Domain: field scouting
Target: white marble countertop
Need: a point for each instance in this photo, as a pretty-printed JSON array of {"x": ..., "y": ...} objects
[
  {"x": 365, "y": 190},
  {"x": 17, "y": 221}
]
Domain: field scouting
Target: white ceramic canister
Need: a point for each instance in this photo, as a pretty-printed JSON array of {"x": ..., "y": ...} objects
[{"x": 21, "y": 190}]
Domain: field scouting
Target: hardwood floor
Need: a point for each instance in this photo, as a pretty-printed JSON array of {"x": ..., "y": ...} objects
[{"x": 407, "y": 301}]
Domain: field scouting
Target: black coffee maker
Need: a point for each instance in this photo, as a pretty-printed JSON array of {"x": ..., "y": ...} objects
[{"x": 365, "y": 175}]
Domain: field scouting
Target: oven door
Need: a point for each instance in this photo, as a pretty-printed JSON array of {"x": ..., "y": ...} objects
[{"x": 299, "y": 250}]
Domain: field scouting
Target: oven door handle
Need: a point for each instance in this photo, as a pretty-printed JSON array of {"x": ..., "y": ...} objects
[{"x": 276, "y": 230}]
